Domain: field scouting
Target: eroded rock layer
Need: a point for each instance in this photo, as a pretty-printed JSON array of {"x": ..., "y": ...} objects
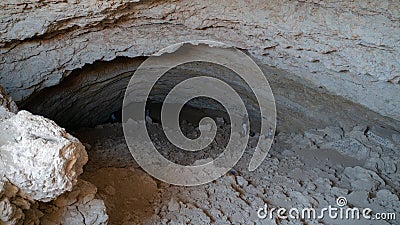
[{"x": 349, "y": 48}]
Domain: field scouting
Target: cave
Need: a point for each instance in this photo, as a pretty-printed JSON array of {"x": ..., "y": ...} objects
[{"x": 331, "y": 134}]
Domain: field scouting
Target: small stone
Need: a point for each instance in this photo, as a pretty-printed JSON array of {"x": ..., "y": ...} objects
[
  {"x": 333, "y": 133},
  {"x": 389, "y": 165},
  {"x": 380, "y": 140},
  {"x": 348, "y": 147},
  {"x": 358, "y": 198},
  {"x": 287, "y": 152},
  {"x": 173, "y": 205},
  {"x": 241, "y": 181},
  {"x": 387, "y": 196},
  {"x": 362, "y": 179},
  {"x": 315, "y": 136},
  {"x": 233, "y": 172}
]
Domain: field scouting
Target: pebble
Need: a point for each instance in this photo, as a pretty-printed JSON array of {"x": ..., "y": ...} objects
[
  {"x": 241, "y": 181},
  {"x": 173, "y": 205}
]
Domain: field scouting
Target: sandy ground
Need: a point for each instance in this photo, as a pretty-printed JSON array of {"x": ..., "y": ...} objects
[{"x": 307, "y": 170}]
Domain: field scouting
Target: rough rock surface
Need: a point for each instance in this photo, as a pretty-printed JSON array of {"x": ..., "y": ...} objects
[
  {"x": 349, "y": 48},
  {"x": 9, "y": 212},
  {"x": 7, "y": 102},
  {"x": 299, "y": 172},
  {"x": 76, "y": 207},
  {"x": 36, "y": 150},
  {"x": 38, "y": 162},
  {"x": 90, "y": 95}
]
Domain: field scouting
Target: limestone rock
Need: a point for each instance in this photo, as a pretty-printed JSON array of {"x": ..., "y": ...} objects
[
  {"x": 7, "y": 102},
  {"x": 241, "y": 181},
  {"x": 380, "y": 140},
  {"x": 315, "y": 136},
  {"x": 396, "y": 139},
  {"x": 362, "y": 179},
  {"x": 7, "y": 106},
  {"x": 342, "y": 46},
  {"x": 42, "y": 161},
  {"x": 39, "y": 157},
  {"x": 9, "y": 213},
  {"x": 15, "y": 208},
  {"x": 348, "y": 147},
  {"x": 333, "y": 133},
  {"x": 386, "y": 197},
  {"x": 173, "y": 205},
  {"x": 4, "y": 113},
  {"x": 77, "y": 207}
]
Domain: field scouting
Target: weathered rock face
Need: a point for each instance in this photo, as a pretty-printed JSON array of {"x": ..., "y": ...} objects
[
  {"x": 35, "y": 149},
  {"x": 349, "y": 48},
  {"x": 76, "y": 207},
  {"x": 9, "y": 212},
  {"x": 7, "y": 103},
  {"x": 90, "y": 95},
  {"x": 39, "y": 161},
  {"x": 7, "y": 107}
]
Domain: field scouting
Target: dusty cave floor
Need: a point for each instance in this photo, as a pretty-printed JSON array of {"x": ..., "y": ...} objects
[{"x": 311, "y": 169}]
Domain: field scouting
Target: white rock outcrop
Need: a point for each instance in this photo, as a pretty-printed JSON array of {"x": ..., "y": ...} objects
[
  {"x": 39, "y": 157},
  {"x": 39, "y": 161}
]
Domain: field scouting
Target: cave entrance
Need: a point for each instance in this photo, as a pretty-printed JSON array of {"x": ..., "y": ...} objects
[
  {"x": 88, "y": 104},
  {"x": 321, "y": 162},
  {"x": 93, "y": 95}
]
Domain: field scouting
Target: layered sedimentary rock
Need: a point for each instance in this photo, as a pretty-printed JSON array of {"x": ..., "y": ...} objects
[{"x": 350, "y": 48}]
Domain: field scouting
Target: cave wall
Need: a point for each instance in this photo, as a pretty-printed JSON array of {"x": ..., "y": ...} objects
[
  {"x": 348, "y": 48},
  {"x": 88, "y": 96}
]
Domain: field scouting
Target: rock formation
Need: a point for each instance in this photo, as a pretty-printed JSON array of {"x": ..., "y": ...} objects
[
  {"x": 333, "y": 66},
  {"x": 35, "y": 149},
  {"x": 7, "y": 103},
  {"x": 40, "y": 162},
  {"x": 76, "y": 207},
  {"x": 348, "y": 48}
]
